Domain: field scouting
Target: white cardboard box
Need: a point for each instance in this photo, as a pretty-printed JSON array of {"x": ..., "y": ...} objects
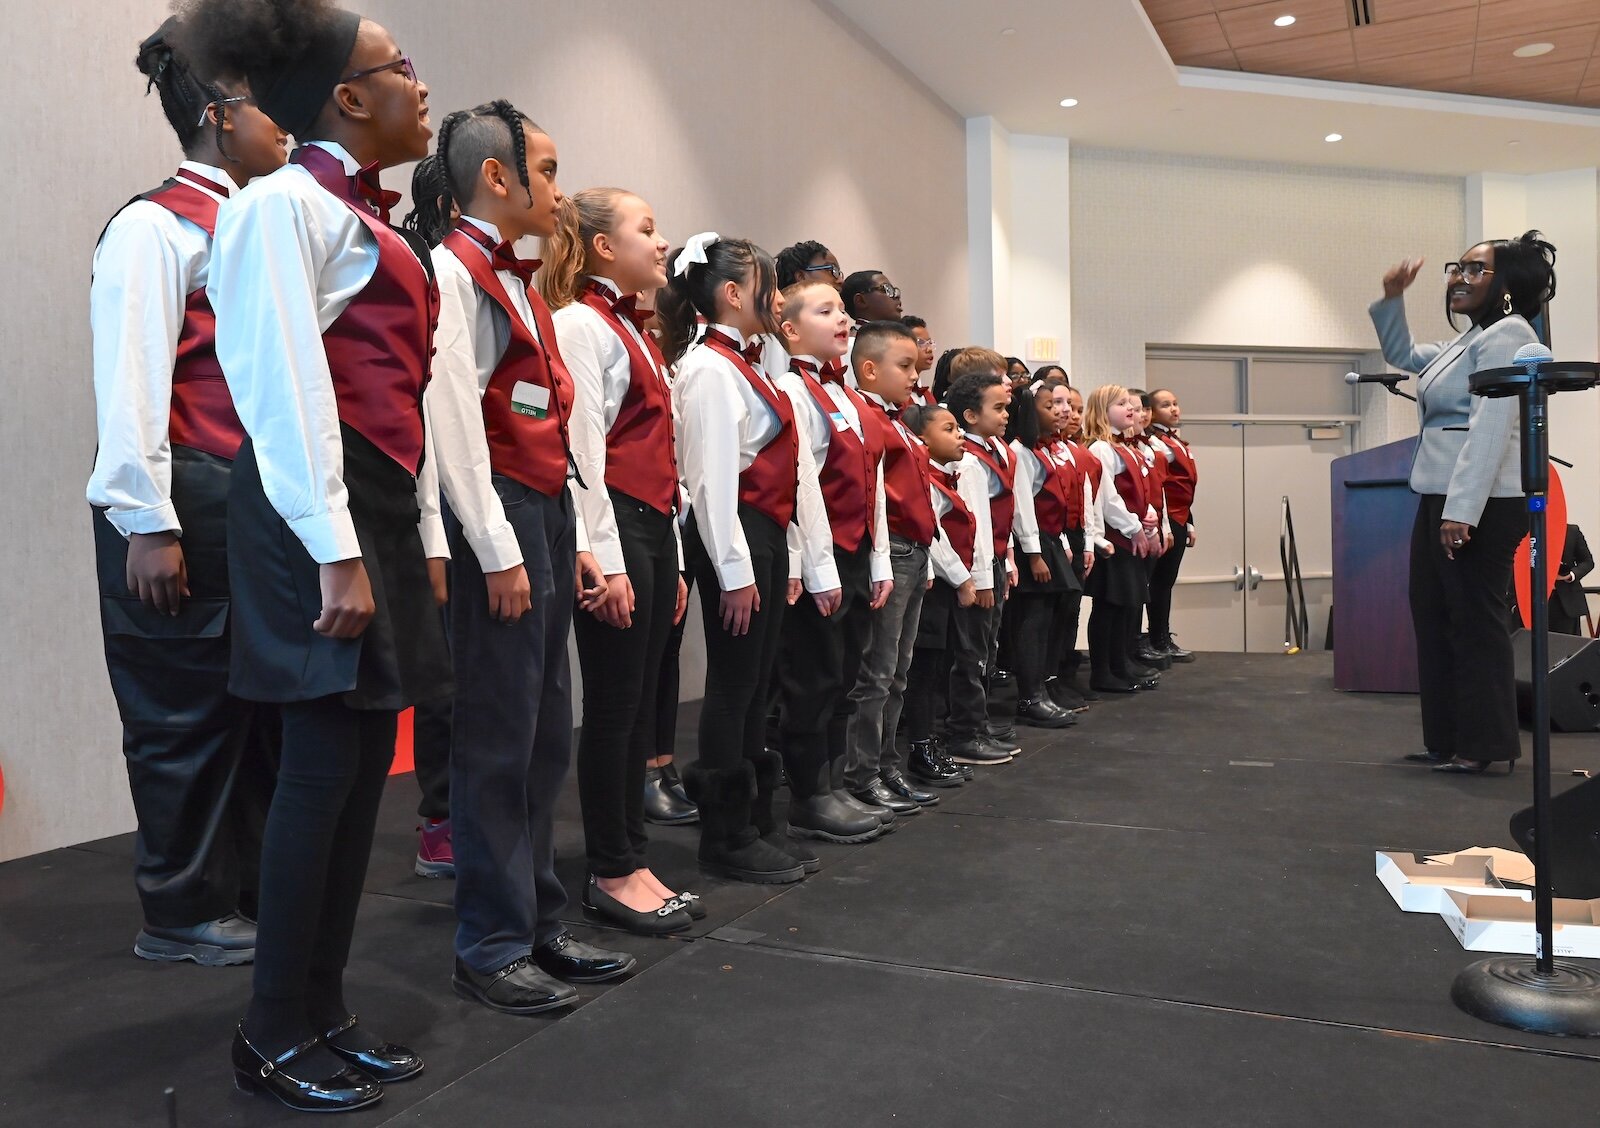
[
  {"x": 1420, "y": 886},
  {"x": 1505, "y": 924}
]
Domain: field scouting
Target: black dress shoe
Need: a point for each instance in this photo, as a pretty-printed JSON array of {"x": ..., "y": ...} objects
[
  {"x": 897, "y": 782},
  {"x": 517, "y": 988},
  {"x": 1428, "y": 757},
  {"x": 598, "y": 905},
  {"x": 883, "y": 814},
  {"x": 881, "y": 795},
  {"x": 826, "y": 818},
  {"x": 1112, "y": 684},
  {"x": 386, "y": 1063},
  {"x": 1044, "y": 713},
  {"x": 976, "y": 750},
  {"x": 345, "y": 1091},
  {"x": 223, "y": 942},
  {"x": 925, "y": 765},
  {"x": 662, "y": 806},
  {"x": 1147, "y": 653},
  {"x": 1458, "y": 766},
  {"x": 573, "y": 961},
  {"x": 1147, "y": 684},
  {"x": 999, "y": 679},
  {"x": 1170, "y": 647},
  {"x": 1065, "y": 696},
  {"x": 1138, "y": 673}
]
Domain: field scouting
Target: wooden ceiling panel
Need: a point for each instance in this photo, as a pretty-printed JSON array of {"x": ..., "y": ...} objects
[
  {"x": 1572, "y": 44},
  {"x": 1166, "y": 11},
  {"x": 1253, "y": 26},
  {"x": 1313, "y": 55},
  {"x": 1388, "y": 11},
  {"x": 1387, "y": 38},
  {"x": 1429, "y": 70},
  {"x": 1543, "y": 84},
  {"x": 1504, "y": 19},
  {"x": 1222, "y": 60},
  {"x": 1198, "y": 35}
]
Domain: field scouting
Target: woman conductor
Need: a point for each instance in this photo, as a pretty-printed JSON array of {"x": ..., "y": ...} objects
[{"x": 1470, "y": 517}]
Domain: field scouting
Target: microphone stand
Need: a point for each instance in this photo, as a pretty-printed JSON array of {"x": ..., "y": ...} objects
[
  {"x": 1543, "y": 995},
  {"x": 1391, "y": 385}
]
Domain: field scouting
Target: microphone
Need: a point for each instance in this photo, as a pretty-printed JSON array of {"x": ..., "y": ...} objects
[
  {"x": 1531, "y": 355},
  {"x": 1389, "y": 380}
]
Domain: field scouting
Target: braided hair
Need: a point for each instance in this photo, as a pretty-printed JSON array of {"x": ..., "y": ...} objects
[
  {"x": 185, "y": 96},
  {"x": 430, "y": 215},
  {"x": 467, "y": 138}
]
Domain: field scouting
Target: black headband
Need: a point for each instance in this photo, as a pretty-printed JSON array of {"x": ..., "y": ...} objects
[{"x": 293, "y": 94}]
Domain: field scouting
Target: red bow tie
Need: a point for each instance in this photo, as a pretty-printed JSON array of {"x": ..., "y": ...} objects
[
  {"x": 505, "y": 258},
  {"x": 751, "y": 352},
  {"x": 371, "y": 190},
  {"x": 833, "y": 372},
  {"x": 628, "y": 309}
]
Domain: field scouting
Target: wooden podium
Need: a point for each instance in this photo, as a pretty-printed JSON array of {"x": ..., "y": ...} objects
[{"x": 1374, "y": 649}]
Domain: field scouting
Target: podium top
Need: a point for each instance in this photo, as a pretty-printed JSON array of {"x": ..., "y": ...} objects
[{"x": 1554, "y": 376}]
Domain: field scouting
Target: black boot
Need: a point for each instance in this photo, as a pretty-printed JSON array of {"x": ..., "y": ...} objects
[
  {"x": 662, "y": 806},
  {"x": 1041, "y": 712},
  {"x": 730, "y": 846},
  {"x": 817, "y": 812},
  {"x": 774, "y": 831},
  {"x": 1065, "y": 694},
  {"x": 925, "y": 766},
  {"x": 1170, "y": 647}
]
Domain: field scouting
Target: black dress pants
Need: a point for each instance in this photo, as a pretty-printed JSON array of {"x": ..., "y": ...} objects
[
  {"x": 621, "y": 676},
  {"x": 1163, "y": 577},
  {"x": 1458, "y": 608},
  {"x": 200, "y": 761},
  {"x": 668, "y": 683},
  {"x": 817, "y": 668},
  {"x": 733, "y": 717},
  {"x": 430, "y": 751}
]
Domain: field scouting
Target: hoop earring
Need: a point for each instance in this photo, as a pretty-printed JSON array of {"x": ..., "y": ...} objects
[{"x": 1505, "y": 306}]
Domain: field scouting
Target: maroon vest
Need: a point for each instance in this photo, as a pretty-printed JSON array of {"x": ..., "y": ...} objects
[
  {"x": 770, "y": 481},
  {"x": 1131, "y": 484},
  {"x": 641, "y": 455},
  {"x": 380, "y": 348},
  {"x": 1073, "y": 468},
  {"x": 1003, "y": 505},
  {"x": 1181, "y": 476},
  {"x": 523, "y": 445},
  {"x": 959, "y": 525},
  {"x": 202, "y": 414},
  {"x": 1050, "y": 504},
  {"x": 849, "y": 474},
  {"x": 906, "y": 473}
]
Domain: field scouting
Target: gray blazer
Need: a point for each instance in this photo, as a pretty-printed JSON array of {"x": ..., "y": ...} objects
[{"x": 1470, "y": 447}]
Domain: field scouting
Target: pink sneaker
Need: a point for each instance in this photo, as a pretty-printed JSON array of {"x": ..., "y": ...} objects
[{"x": 435, "y": 857}]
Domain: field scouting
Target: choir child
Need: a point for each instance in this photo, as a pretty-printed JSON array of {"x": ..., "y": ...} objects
[
  {"x": 1144, "y": 656},
  {"x": 1178, "y": 485},
  {"x": 499, "y": 407},
  {"x": 807, "y": 261},
  {"x": 846, "y": 578},
  {"x": 870, "y": 296},
  {"x": 325, "y": 320},
  {"x": 605, "y": 252},
  {"x": 1079, "y": 473},
  {"x": 198, "y": 758},
  {"x": 922, "y": 390},
  {"x": 747, "y": 476}
]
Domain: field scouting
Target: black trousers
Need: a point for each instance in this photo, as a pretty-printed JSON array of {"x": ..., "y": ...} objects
[
  {"x": 667, "y": 684},
  {"x": 947, "y": 668},
  {"x": 1163, "y": 577},
  {"x": 200, "y": 761},
  {"x": 817, "y": 667},
  {"x": 733, "y": 717},
  {"x": 430, "y": 750},
  {"x": 1458, "y": 609},
  {"x": 512, "y": 735},
  {"x": 1033, "y": 615},
  {"x": 621, "y": 676}
]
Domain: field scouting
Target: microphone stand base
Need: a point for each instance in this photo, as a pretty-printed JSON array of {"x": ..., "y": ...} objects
[{"x": 1510, "y": 991}]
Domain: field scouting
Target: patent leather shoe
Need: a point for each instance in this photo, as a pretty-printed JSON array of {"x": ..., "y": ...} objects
[
  {"x": 386, "y": 1063},
  {"x": 1458, "y": 766},
  {"x": 345, "y": 1091},
  {"x": 881, "y": 795},
  {"x": 603, "y": 908},
  {"x": 518, "y": 988},
  {"x": 896, "y": 782},
  {"x": 927, "y": 766},
  {"x": 662, "y": 805},
  {"x": 573, "y": 961},
  {"x": 1112, "y": 684}
]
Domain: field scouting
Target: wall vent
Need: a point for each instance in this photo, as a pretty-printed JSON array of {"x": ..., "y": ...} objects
[{"x": 1361, "y": 13}]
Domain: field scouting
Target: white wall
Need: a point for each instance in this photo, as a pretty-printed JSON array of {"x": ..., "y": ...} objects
[
  {"x": 1179, "y": 250},
  {"x": 685, "y": 106},
  {"x": 1041, "y": 253}
]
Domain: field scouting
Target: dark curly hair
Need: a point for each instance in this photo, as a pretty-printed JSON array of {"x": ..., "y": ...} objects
[
  {"x": 184, "y": 94},
  {"x": 965, "y": 394},
  {"x": 792, "y": 261},
  {"x": 1524, "y": 268}
]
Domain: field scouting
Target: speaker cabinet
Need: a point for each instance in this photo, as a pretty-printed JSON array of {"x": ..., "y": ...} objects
[
  {"x": 1574, "y": 681},
  {"x": 1575, "y": 850}
]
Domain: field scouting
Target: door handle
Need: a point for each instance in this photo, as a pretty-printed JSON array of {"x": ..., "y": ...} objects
[
  {"x": 1238, "y": 578},
  {"x": 1255, "y": 578}
]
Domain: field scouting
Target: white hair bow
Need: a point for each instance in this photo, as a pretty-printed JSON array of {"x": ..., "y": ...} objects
[{"x": 694, "y": 251}]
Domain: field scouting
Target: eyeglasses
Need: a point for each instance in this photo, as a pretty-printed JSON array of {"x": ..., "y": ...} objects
[
  {"x": 888, "y": 290},
  {"x": 929, "y": 345},
  {"x": 219, "y": 103},
  {"x": 828, "y": 267},
  {"x": 402, "y": 64},
  {"x": 1471, "y": 271}
]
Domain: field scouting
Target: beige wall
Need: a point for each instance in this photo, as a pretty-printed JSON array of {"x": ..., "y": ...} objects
[
  {"x": 679, "y": 101},
  {"x": 1177, "y": 250}
]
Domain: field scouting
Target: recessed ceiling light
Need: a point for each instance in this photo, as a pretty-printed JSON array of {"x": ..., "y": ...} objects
[
  {"x": 1533, "y": 50},
  {"x": 1513, "y": 142},
  {"x": 1008, "y": 31},
  {"x": 1332, "y": 137},
  {"x": 1283, "y": 21},
  {"x": 1068, "y": 103}
]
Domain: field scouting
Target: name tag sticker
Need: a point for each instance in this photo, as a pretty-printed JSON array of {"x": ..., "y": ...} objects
[
  {"x": 530, "y": 399},
  {"x": 840, "y": 423}
]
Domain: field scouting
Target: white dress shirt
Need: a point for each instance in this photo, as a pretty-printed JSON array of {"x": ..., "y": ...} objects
[
  {"x": 1030, "y": 480},
  {"x": 723, "y": 423},
  {"x": 602, "y": 375},
  {"x": 806, "y": 561},
  {"x": 972, "y": 483},
  {"x": 1113, "y": 510},
  {"x": 942, "y": 555},
  {"x": 147, "y": 264},
  {"x": 289, "y": 258}
]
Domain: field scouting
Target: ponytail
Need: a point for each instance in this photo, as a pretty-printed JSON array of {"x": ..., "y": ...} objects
[{"x": 583, "y": 215}]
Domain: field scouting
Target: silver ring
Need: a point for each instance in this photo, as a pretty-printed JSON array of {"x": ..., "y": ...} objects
[{"x": 1458, "y": 543}]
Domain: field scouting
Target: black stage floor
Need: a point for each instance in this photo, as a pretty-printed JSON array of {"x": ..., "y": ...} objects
[{"x": 1166, "y": 915}]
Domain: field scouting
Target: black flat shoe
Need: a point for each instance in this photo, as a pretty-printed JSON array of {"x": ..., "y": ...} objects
[
  {"x": 1427, "y": 757},
  {"x": 518, "y": 988},
  {"x": 345, "y": 1091},
  {"x": 573, "y": 961},
  {"x": 598, "y": 905},
  {"x": 1458, "y": 766},
  {"x": 387, "y": 1063},
  {"x": 691, "y": 903}
]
